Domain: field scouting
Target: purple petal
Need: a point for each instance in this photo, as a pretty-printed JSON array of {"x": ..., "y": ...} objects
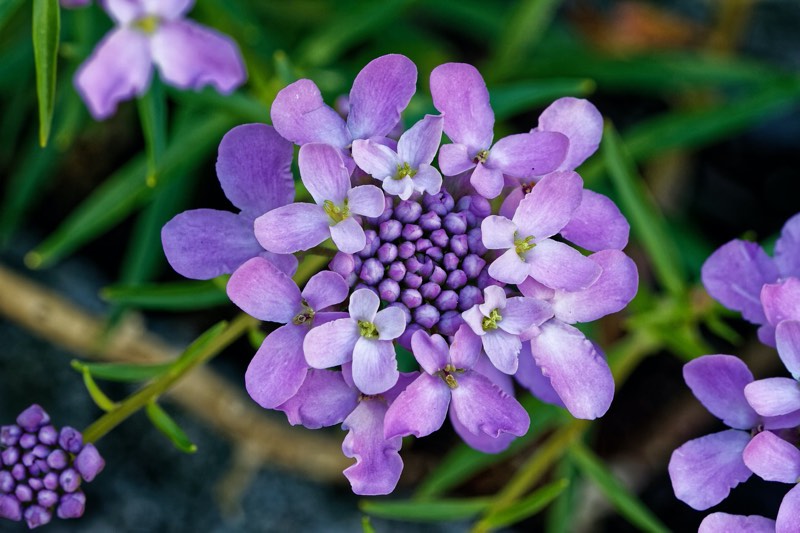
[
  {"x": 125, "y": 11},
  {"x": 205, "y": 243},
  {"x": 502, "y": 349},
  {"x": 511, "y": 202},
  {"x": 482, "y": 407},
  {"x": 772, "y": 459},
  {"x": 331, "y": 344},
  {"x": 427, "y": 180},
  {"x": 300, "y": 115},
  {"x": 549, "y": 206},
  {"x": 528, "y": 154},
  {"x": 533, "y": 289},
  {"x": 118, "y": 69},
  {"x": 323, "y": 172},
  {"x": 10, "y": 508},
  {"x": 734, "y": 274},
  {"x": 786, "y": 521},
  {"x": 292, "y": 228},
  {"x": 481, "y": 442},
  {"x": 787, "y": 337},
  {"x": 773, "y": 396},
  {"x": 781, "y": 301},
  {"x": 719, "y": 381},
  {"x": 790, "y": 420},
  {"x": 580, "y": 121},
  {"x": 509, "y": 268},
  {"x": 348, "y": 235},
  {"x": 374, "y": 366},
  {"x": 377, "y": 160},
  {"x": 366, "y": 200},
  {"x": 403, "y": 187},
  {"x": 380, "y": 92},
  {"x": 597, "y": 224},
  {"x": 325, "y": 289},
  {"x": 460, "y": 94},
  {"x": 419, "y": 410},
  {"x": 418, "y": 145},
  {"x": 704, "y": 470},
  {"x": 324, "y": 399},
  {"x": 378, "y": 465},
  {"x": 254, "y": 168},
  {"x": 531, "y": 377},
  {"x": 488, "y": 181},
  {"x": 454, "y": 159},
  {"x": 494, "y": 298},
  {"x": 168, "y": 9},
  {"x": 787, "y": 248},
  {"x": 261, "y": 290},
  {"x": 560, "y": 266},
  {"x": 286, "y": 263},
  {"x": 364, "y": 305},
  {"x": 431, "y": 352},
  {"x": 278, "y": 368},
  {"x": 576, "y": 370},
  {"x": 498, "y": 232},
  {"x": 521, "y": 313},
  {"x": 726, "y": 523},
  {"x": 191, "y": 56},
  {"x": 465, "y": 350},
  {"x": 390, "y": 323},
  {"x": 474, "y": 319},
  {"x": 89, "y": 463}
]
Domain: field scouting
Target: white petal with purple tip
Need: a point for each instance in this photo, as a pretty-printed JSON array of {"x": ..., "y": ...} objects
[
  {"x": 348, "y": 235},
  {"x": 497, "y": 233},
  {"x": 364, "y": 305},
  {"x": 502, "y": 349},
  {"x": 366, "y": 200},
  {"x": 377, "y": 160},
  {"x": 390, "y": 323},
  {"x": 331, "y": 344},
  {"x": 509, "y": 268},
  {"x": 374, "y": 366}
]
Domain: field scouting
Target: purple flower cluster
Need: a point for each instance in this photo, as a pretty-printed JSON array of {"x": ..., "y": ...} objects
[
  {"x": 420, "y": 261},
  {"x": 764, "y": 415},
  {"x": 41, "y": 469}
]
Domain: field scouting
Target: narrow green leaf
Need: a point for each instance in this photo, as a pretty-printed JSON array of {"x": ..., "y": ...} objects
[
  {"x": 166, "y": 425},
  {"x": 122, "y": 371},
  {"x": 172, "y": 296},
  {"x": 646, "y": 220},
  {"x": 153, "y": 116},
  {"x": 529, "y": 505},
  {"x": 98, "y": 396},
  {"x": 46, "y": 34},
  {"x": 8, "y": 8},
  {"x": 200, "y": 343},
  {"x": 626, "y": 503},
  {"x": 366, "y": 525},
  {"x": 425, "y": 511},
  {"x": 510, "y": 99},
  {"x": 561, "y": 513}
]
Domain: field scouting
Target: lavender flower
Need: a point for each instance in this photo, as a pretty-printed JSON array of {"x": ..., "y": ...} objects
[
  {"x": 188, "y": 55},
  {"x": 41, "y": 469},
  {"x": 724, "y": 522}
]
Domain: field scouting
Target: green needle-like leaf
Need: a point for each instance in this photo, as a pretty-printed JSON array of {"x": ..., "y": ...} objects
[
  {"x": 529, "y": 505},
  {"x": 153, "y": 116},
  {"x": 425, "y": 511},
  {"x": 46, "y": 35},
  {"x": 121, "y": 371},
  {"x": 98, "y": 396},
  {"x": 166, "y": 425},
  {"x": 173, "y": 296}
]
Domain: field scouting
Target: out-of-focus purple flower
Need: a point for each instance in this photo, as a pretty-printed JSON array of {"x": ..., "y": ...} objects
[
  {"x": 409, "y": 168},
  {"x": 301, "y": 226},
  {"x": 41, "y": 469},
  {"x": 188, "y": 55},
  {"x": 460, "y": 94},
  {"x": 254, "y": 169},
  {"x": 728, "y": 523}
]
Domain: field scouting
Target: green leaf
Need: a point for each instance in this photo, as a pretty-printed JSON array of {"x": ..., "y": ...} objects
[
  {"x": 196, "y": 348},
  {"x": 366, "y": 525},
  {"x": 561, "y": 513},
  {"x": 528, "y": 506},
  {"x": 98, "y": 396},
  {"x": 626, "y": 503},
  {"x": 166, "y": 425},
  {"x": 8, "y": 8},
  {"x": 46, "y": 31},
  {"x": 122, "y": 371},
  {"x": 510, "y": 99},
  {"x": 172, "y": 296},
  {"x": 425, "y": 511},
  {"x": 153, "y": 116}
]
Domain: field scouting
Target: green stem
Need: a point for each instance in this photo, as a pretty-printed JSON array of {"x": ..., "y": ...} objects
[{"x": 160, "y": 385}]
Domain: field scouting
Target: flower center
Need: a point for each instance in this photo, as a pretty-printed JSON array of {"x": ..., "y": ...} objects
[
  {"x": 521, "y": 246},
  {"x": 490, "y": 322},
  {"x": 306, "y": 316},
  {"x": 405, "y": 170},
  {"x": 447, "y": 375},
  {"x": 148, "y": 24},
  {"x": 481, "y": 156},
  {"x": 528, "y": 187},
  {"x": 335, "y": 212},
  {"x": 367, "y": 329}
]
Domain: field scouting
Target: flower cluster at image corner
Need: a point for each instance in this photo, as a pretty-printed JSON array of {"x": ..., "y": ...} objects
[{"x": 420, "y": 261}]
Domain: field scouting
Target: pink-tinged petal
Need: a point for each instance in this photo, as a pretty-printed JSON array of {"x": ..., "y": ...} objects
[
  {"x": 364, "y": 305},
  {"x": 718, "y": 381},
  {"x": 261, "y": 290},
  {"x": 533, "y": 289},
  {"x": 465, "y": 350},
  {"x": 331, "y": 344},
  {"x": 488, "y": 182},
  {"x": 773, "y": 396},
  {"x": 254, "y": 168},
  {"x": 390, "y": 323},
  {"x": 580, "y": 121},
  {"x": 378, "y": 465},
  {"x": 374, "y": 366},
  {"x": 597, "y": 224},
  {"x": 530, "y": 376},
  {"x": 772, "y": 459},
  {"x": 118, "y": 69},
  {"x": 549, "y": 206},
  {"x": 704, "y": 470},
  {"x": 560, "y": 266},
  {"x": 528, "y": 154},
  {"x": 419, "y": 410},
  {"x": 511, "y": 202},
  {"x": 403, "y": 382},
  {"x": 168, "y": 9},
  {"x": 325, "y": 289},
  {"x": 377, "y": 160},
  {"x": 728, "y": 523},
  {"x": 482, "y": 407},
  {"x": 787, "y": 337},
  {"x": 380, "y": 92},
  {"x": 427, "y": 180},
  {"x": 454, "y": 159},
  {"x": 286, "y": 263},
  {"x": 521, "y": 313},
  {"x": 613, "y": 290},
  {"x": 790, "y": 420},
  {"x": 205, "y": 243},
  {"x": 300, "y": 115},
  {"x": 278, "y": 369},
  {"x": 734, "y": 274},
  {"x": 191, "y": 56},
  {"x": 402, "y": 188},
  {"x": 366, "y": 200},
  {"x": 474, "y": 319},
  {"x": 498, "y": 232},
  {"x": 348, "y": 236},
  {"x": 786, "y": 521},
  {"x": 787, "y": 248},
  {"x": 481, "y": 442},
  {"x": 576, "y": 370},
  {"x": 502, "y": 349},
  {"x": 292, "y": 228},
  {"x": 125, "y": 11},
  {"x": 324, "y": 399},
  {"x": 781, "y": 301},
  {"x": 323, "y": 172},
  {"x": 485, "y": 367},
  {"x": 509, "y": 267},
  {"x": 460, "y": 94},
  {"x": 419, "y": 143},
  {"x": 431, "y": 352}
]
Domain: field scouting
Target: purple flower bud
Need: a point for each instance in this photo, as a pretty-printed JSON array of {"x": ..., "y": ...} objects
[
  {"x": 455, "y": 223},
  {"x": 41, "y": 451},
  {"x": 449, "y": 322},
  {"x": 413, "y": 264},
  {"x": 48, "y": 435},
  {"x": 10, "y": 508},
  {"x": 47, "y": 498},
  {"x": 387, "y": 253},
  {"x": 69, "y": 480},
  {"x": 456, "y": 279},
  {"x": 18, "y": 472},
  {"x": 407, "y": 211},
  {"x": 411, "y": 232},
  {"x": 480, "y": 206},
  {"x": 36, "y": 516},
  {"x": 38, "y": 468},
  {"x": 459, "y": 245},
  {"x": 426, "y": 315},
  {"x": 430, "y": 221},
  {"x": 357, "y": 262},
  {"x": 440, "y": 238},
  {"x": 406, "y": 250},
  {"x": 435, "y": 253},
  {"x": 440, "y": 203},
  {"x": 367, "y": 287},
  {"x": 70, "y": 439},
  {"x": 89, "y": 462},
  {"x": 32, "y": 418},
  {"x": 405, "y": 339},
  {"x": 28, "y": 441},
  {"x": 411, "y": 297},
  {"x": 35, "y": 483},
  {"x": 430, "y": 290},
  {"x": 450, "y": 261},
  {"x": 404, "y": 309},
  {"x": 423, "y": 244},
  {"x": 469, "y": 296},
  {"x": 373, "y": 242},
  {"x": 390, "y": 230},
  {"x": 484, "y": 279},
  {"x": 389, "y": 290},
  {"x": 343, "y": 264},
  {"x": 427, "y": 267},
  {"x": 438, "y": 275},
  {"x": 50, "y": 481},
  {"x": 413, "y": 280},
  {"x": 387, "y": 212},
  {"x": 470, "y": 219},
  {"x": 28, "y": 459},
  {"x": 9, "y": 435},
  {"x": 472, "y": 266},
  {"x": 447, "y": 301},
  {"x": 371, "y": 271},
  {"x": 10, "y": 456},
  {"x": 57, "y": 460},
  {"x": 396, "y": 271},
  {"x": 71, "y": 506},
  {"x": 23, "y": 493},
  {"x": 6, "y": 482},
  {"x": 475, "y": 242}
]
